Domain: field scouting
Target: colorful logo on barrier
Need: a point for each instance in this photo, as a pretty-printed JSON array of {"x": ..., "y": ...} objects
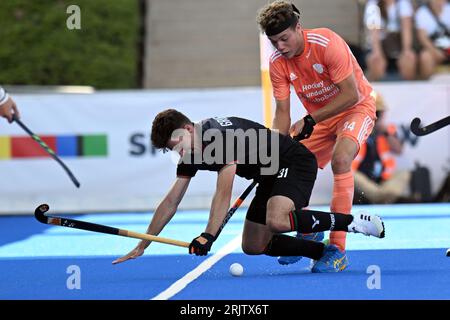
[{"x": 92, "y": 145}]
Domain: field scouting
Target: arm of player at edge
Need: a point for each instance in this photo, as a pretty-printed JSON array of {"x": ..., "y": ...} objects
[
  {"x": 347, "y": 97},
  {"x": 8, "y": 107},
  {"x": 163, "y": 214}
]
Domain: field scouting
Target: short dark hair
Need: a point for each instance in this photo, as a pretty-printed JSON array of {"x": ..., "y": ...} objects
[
  {"x": 164, "y": 124},
  {"x": 275, "y": 14}
]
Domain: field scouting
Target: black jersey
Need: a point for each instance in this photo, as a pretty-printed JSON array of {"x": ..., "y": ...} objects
[{"x": 256, "y": 150}]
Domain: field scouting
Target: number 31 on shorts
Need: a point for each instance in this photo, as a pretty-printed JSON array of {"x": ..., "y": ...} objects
[
  {"x": 283, "y": 173},
  {"x": 350, "y": 126}
]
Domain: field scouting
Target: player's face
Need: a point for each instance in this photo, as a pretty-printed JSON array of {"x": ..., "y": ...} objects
[
  {"x": 289, "y": 42},
  {"x": 181, "y": 141}
]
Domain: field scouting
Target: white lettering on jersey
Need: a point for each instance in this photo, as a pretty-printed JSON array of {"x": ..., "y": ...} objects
[{"x": 224, "y": 122}]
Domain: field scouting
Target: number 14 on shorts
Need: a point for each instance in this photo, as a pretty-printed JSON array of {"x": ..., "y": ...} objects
[{"x": 350, "y": 126}]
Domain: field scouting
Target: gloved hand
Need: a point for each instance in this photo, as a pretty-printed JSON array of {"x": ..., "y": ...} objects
[
  {"x": 199, "y": 246},
  {"x": 307, "y": 129}
]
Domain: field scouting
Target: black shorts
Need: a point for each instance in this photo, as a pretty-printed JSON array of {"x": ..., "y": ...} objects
[{"x": 295, "y": 180}]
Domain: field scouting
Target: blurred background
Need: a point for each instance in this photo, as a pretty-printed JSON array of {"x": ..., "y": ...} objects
[
  {"x": 147, "y": 44},
  {"x": 99, "y": 71}
]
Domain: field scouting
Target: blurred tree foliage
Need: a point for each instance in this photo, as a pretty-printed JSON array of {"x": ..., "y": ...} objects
[{"x": 37, "y": 48}]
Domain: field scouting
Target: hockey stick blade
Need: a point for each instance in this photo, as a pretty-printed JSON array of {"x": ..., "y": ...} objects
[
  {"x": 418, "y": 131},
  {"x": 40, "y": 211}
]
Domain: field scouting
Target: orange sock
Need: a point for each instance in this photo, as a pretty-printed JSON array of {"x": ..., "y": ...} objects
[{"x": 343, "y": 189}]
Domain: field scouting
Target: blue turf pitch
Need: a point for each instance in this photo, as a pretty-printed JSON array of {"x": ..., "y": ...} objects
[{"x": 35, "y": 258}]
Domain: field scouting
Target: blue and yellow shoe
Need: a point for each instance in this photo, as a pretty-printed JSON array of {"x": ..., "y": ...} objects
[
  {"x": 285, "y": 260},
  {"x": 333, "y": 260}
]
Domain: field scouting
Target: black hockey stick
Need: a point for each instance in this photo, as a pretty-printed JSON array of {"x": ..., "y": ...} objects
[
  {"x": 415, "y": 126},
  {"x": 40, "y": 211},
  {"x": 48, "y": 149}
]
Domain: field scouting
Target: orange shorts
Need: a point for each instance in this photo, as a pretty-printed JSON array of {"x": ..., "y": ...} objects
[{"x": 354, "y": 124}]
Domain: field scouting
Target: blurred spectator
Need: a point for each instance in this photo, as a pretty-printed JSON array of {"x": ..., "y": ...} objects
[
  {"x": 443, "y": 195},
  {"x": 433, "y": 28},
  {"x": 7, "y": 106},
  {"x": 376, "y": 177},
  {"x": 390, "y": 38}
]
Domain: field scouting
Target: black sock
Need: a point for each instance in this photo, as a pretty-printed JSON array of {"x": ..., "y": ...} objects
[
  {"x": 283, "y": 245},
  {"x": 308, "y": 221}
]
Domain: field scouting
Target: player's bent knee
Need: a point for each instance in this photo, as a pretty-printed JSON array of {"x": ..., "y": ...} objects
[
  {"x": 276, "y": 225},
  {"x": 341, "y": 162},
  {"x": 277, "y": 215},
  {"x": 252, "y": 249}
]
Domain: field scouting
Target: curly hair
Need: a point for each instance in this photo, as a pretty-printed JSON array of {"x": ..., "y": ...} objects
[
  {"x": 164, "y": 124},
  {"x": 275, "y": 13}
]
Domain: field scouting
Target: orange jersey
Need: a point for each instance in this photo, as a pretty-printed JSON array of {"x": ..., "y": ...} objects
[{"x": 325, "y": 61}]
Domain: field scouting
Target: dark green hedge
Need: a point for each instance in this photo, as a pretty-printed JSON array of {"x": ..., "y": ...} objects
[{"x": 37, "y": 48}]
